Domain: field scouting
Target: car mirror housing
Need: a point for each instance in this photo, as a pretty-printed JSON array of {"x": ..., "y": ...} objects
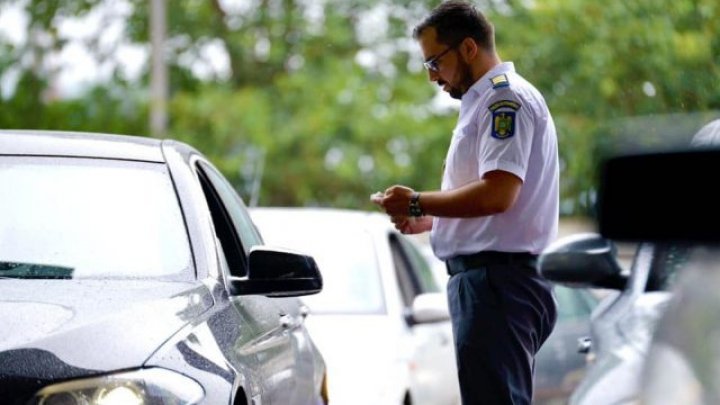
[
  {"x": 638, "y": 201},
  {"x": 276, "y": 272},
  {"x": 428, "y": 308},
  {"x": 584, "y": 260}
]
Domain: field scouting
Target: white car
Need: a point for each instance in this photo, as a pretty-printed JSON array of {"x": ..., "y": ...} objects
[{"x": 381, "y": 320}]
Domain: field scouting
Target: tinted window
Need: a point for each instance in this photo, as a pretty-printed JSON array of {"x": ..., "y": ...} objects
[
  {"x": 408, "y": 283},
  {"x": 668, "y": 259},
  {"x": 90, "y": 218},
  {"x": 573, "y": 303},
  {"x": 235, "y": 207},
  {"x": 421, "y": 266}
]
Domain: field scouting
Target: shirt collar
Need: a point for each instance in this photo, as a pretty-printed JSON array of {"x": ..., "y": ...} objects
[{"x": 484, "y": 83}]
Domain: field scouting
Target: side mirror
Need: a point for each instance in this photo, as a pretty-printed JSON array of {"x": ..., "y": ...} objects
[
  {"x": 278, "y": 273},
  {"x": 583, "y": 260},
  {"x": 428, "y": 308},
  {"x": 634, "y": 189}
]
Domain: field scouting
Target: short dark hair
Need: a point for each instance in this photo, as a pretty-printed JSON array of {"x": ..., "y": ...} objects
[{"x": 455, "y": 20}]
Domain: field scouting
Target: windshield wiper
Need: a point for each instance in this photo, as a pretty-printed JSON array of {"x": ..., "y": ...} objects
[{"x": 34, "y": 271}]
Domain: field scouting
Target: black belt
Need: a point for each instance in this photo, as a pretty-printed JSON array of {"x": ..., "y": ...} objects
[{"x": 461, "y": 263}]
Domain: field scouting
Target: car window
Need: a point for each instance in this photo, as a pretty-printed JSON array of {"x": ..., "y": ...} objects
[
  {"x": 90, "y": 218},
  {"x": 420, "y": 266},
  {"x": 412, "y": 271},
  {"x": 668, "y": 259},
  {"x": 409, "y": 286},
  {"x": 235, "y": 230},
  {"x": 574, "y": 303},
  {"x": 245, "y": 228}
]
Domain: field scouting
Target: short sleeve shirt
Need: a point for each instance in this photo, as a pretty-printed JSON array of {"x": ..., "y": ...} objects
[{"x": 504, "y": 124}]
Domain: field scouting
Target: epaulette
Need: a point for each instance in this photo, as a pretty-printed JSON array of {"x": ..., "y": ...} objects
[{"x": 499, "y": 81}]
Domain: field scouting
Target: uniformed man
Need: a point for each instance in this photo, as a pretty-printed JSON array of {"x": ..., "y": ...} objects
[{"x": 496, "y": 210}]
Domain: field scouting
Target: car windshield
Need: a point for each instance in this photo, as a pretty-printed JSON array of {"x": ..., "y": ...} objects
[
  {"x": 90, "y": 218},
  {"x": 346, "y": 258}
]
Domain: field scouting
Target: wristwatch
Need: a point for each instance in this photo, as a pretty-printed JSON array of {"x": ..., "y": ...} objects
[{"x": 415, "y": 209}]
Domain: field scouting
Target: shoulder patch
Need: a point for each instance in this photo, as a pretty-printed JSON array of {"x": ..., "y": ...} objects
[
  {"x": 499, "y": 81},
  {"x": 503, "y": 118}
]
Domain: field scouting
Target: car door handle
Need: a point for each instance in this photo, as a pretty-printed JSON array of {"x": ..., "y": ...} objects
[
  {"x": 584, "y": 345},
  {"x": 287, "y": 321}
]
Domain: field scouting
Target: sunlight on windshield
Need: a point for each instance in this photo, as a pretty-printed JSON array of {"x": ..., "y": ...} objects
[{"x": 101, "y": 218}]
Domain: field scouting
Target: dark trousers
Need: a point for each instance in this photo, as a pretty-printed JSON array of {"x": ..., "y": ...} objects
[{"x": 502, "y": 311}]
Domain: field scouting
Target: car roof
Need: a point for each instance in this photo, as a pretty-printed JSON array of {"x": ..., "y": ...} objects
[
  {"x": 346, "y": 218},
  {"x": 80, "y": 144}
]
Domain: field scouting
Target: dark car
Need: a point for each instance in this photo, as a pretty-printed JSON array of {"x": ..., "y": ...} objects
[{"x": 131, "y": 273}]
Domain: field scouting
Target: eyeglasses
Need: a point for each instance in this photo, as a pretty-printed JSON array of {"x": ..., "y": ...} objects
[{"x": 433, "y": 63}]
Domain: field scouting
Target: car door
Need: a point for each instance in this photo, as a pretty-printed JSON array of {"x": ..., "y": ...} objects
[
  {"x": 267, "y": 337},
  {"x": 433, "y": 372},
  {"x": 559, "y": 367}
]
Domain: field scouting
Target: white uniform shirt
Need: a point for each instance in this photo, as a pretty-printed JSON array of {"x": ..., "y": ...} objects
[{"x": 504, "y": 124}]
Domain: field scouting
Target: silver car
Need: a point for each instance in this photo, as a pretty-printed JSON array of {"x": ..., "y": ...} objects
[
  {"x": 682, "y": 365},
  {"x": 131, "y": 273},
  {"x": 632, "y": 192},
  {"x": 623, "y": 322}
]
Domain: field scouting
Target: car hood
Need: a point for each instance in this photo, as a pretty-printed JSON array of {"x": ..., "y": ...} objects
[
  {"x": 65, "y": 328},
  {"x": 366, "y": 356}
]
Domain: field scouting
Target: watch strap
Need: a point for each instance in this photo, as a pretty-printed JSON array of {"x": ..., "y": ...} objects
[{"x": 415, "y": 209}]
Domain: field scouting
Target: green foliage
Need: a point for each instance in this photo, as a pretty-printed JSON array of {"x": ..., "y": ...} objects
[
  {"x": 598, "y": 64},
  {"x": 325, "y": 109}
]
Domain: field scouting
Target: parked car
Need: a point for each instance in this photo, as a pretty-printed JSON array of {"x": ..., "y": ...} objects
[
  {"x": 559, "y": 368},
  {"x": 624, "y": 323},
  {"x": 681, "y": 366},
  {"x": 381, "y": 320},
  {"x": 131, "y": 273}
]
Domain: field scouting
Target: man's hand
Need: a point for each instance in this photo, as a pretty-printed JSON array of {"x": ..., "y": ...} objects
[
  {"x": 377, "y": 198},
  {"x": 411, "y": 225},
  {"x": 396, "y": 201}
]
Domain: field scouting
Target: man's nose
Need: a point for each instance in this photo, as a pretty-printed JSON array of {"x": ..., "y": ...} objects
[{"x": 433, "y": 75}]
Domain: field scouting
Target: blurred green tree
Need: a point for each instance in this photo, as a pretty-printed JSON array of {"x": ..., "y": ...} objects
[{"x": 324, "y": 102}]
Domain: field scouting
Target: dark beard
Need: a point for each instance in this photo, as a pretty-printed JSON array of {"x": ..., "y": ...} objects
[
  {"x": 466, "y": 82},
  {"x": 456, "y": 93}
]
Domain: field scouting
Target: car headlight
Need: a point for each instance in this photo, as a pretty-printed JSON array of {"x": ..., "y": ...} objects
[{"x": 153, "y": 386}]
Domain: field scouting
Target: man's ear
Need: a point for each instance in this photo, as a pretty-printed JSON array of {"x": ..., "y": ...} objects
[{"x": 469, "y": 49}]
